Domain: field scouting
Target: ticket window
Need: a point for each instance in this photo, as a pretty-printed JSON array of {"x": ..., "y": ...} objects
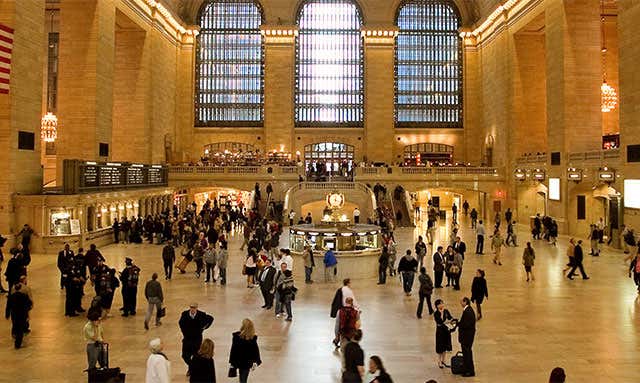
[{"x": 60, "y": 222}]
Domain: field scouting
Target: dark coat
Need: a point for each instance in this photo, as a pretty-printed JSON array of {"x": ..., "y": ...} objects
[
  {"x": 168, "y": 254},
  {"x": 336, "y": 305},
  {"x": 244, "y": 353},
  {"x": 267, "y": 284},
  {"x": 479, "y": 290},
  {"x": 202, "y": 370},
  {"x": 408, "y": 265},
  {"x": 18, "y": 306},
  {"x": 467, "y": 327},
  {"x": 15, "y": 269},
  {"x": 578, "y": 255},
  {"x": 438, "y": 262},
  {"x": 460, "y": 247},
  {"x": 64, "y": 259},
  {"x": 192, "y": 328}
]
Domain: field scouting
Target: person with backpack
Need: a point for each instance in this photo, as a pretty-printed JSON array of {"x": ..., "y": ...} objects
[
  {"x": 426, "y": 289},
  {"x": 129, "y": 278}
]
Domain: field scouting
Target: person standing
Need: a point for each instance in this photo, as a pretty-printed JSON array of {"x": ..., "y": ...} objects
[
  {"x": 168, "y": 259},
  {"x": 426, "y": 289},
  {"x": 407, "y": 269},
  {"x": 129, "y": 277},
  {"x": 3, "y": 240},
  {"x": 250, "y": 268},
  {"x": 202, "y": 367},
  {"x": 292, "y": 216},
  {"x": 383, "y": 264},
  {"x": 356, "y": 215},
  {"x": 26, "y": 233},
  {"x": 466, "y": 327},
  {"x": 94, "y": 337},
  {"x": 479, "y": 291},
  {"x": 278, "y": 279},
  {"x": 18, "y": 306},
  {"x": 438, "y": 267},
  {"x": 454, "y": 210},
  {"x": 421, "y": 250},
  {"x": 308, "y": 219},
  {"x": 376, "y": 372},
  {"x": 474, "y": 218},
  {"x": 65, "y": 258},
  {"x": 594, "y": 236},
  {"x": 528, "y": 260},
  {"x": 158, "y": 365},
  {"x": 245, "y": 353},
  {"x": 480, "y": 237},
  {"x": 442, "y": 316},
  {"x": 287, "y": 292},
  {"x": 353, "y": 360},
  {"x": 456, "y": 270},
  {"x": 459, "y": 246},
  {"x": 153, "y": 293},
  {"x": 309, "y": 263},
  {"x": 577, "y": 261},
  {"x": 210, "y": 263},
  {"x": 465, "y": 207},
  {"x": 192, "y": 323},
  {"x": 330, "y": 266},
  {"x": 116, "y": 230},
  {"x": 222, "y": 256},
  {"x": 496, "y": 244},
  {"x": 266, "y": 280},
  {"x": 73, "y": 281}
]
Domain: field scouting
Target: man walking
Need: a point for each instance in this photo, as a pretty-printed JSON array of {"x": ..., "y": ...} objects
[
  {"x": 426, "y": 289},
  {"x": 309, "y": 263},
  {"x": 18, "y": 306},
  {"x": 407, "y": 269},
  {"x": 153, "y": 293},
  {"x": 192, "y": 323},
  {"x": 480, "y": 237},
  {"x": 474, "y": 217},
  {"x": 168, "y": 259},
  {"x": 266, "y": 281},
  {"x": 578, "y": 256},
  {"x": 466, "y": 332}
]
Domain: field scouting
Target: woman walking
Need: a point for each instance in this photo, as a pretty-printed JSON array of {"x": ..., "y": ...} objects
[
  {"x": 202, "y": 368},
  {"x": 376, "y": 372},
  {"x": 443, "y": 334},
  {"x": 528, "y": 258},
  {"x": 496, "y": 244},
  {"x": 479, "y": 291},
  {"x": 425, "y": 291},
  {"x": 245, "y": 354},
  {"x": 250, "y": 267},
  {"x": 287, "y": 292}
]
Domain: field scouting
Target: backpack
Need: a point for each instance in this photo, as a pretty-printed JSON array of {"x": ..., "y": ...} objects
[{"x": 210, "y": 256}]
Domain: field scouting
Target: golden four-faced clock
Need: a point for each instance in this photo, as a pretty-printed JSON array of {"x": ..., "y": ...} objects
[{"x": 335, "y": 200}]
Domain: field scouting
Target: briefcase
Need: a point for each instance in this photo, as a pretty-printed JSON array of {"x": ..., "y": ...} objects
[{"x": 457, "y": 364}]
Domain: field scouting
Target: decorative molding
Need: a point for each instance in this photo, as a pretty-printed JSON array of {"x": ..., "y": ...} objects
[
  {"x": 380, "y": 36},
  {"x": 279, "y": 34}
]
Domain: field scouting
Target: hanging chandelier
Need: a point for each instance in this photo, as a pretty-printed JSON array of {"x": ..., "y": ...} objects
[
  {"x": 608, "y": 95},
  {"x": 49, "y": 127}
]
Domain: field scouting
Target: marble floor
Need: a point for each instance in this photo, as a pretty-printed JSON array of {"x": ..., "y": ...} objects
[{"x": 588, "y": 327}]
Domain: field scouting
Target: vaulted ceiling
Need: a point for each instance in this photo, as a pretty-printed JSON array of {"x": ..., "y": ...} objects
[{"x": 375, "y": 11}]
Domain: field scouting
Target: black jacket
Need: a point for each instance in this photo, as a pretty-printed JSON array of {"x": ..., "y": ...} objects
[
  {"x": 64, "y": 259},
  {"x": 267, "y": 284},
  {"x": 244, "y": 353},
  {"x": 192, "y": 328},
  {"x": 408, "y": 264},
  {"x": 15, "y": 269},
  {"x": 336, "y": 305},
  {"x": 438, "y": 262},
  {"x": 578, "y": 255},
  {"x": 202, "y": 370},
  {"x": 467, "y": 326},
  {"x": 18, "y": 306},
  {"x": 168, "y": 254},
  {"x": 460, "y": 247},
  {"x": 479, "y": 289}
]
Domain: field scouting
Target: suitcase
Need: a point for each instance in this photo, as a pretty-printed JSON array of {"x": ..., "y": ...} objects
[
  {"x": 457, "y": 364},
  {"x": 182, "y": 265},
  {"x": 106, "y": 375}
]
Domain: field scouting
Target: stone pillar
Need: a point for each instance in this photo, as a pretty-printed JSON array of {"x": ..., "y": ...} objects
[
  {"x": 184, "y": 129},
  {"x": 21, "y": 108},
  {"x": 85, "y": 82},
  {"x": 379, "y": 125},
  {"x": 279, "y": 58},
  {"x": 574, "y": 76}
]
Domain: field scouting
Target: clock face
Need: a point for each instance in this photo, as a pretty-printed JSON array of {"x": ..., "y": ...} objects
[{"x": 335, "y": 200}]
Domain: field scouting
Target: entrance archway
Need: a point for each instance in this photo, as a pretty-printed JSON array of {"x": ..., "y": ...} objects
[
  {"x": 331, "y": 159},
  {"x": 426, "y": 152}
]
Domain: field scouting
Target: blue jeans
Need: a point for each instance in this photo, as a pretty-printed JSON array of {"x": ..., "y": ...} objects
[
  {"x": 407, "y": 280},
  {"x": 279, "y": 308},
  {"x": 307, "y": 274}
]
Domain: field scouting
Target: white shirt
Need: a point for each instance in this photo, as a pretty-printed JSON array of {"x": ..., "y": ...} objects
[
  {"x": 288, "y": 260},
  {"x": 480, "y": 229},
  {"x": 158, "y": 369},
  {"x": 348, "y": 293},
  {"x": 356, "y": 213}
]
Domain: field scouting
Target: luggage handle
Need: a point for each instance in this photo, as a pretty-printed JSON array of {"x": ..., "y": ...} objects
[{"x": 459, "y": 353}]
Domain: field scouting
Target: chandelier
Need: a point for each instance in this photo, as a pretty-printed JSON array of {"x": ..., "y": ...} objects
[
  {"x": 49, "y": 127},
  {"x": 608, "y": 95}
]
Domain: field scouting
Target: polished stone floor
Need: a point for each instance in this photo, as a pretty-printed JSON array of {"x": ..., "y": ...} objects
[{"x": 588, "y": 327}]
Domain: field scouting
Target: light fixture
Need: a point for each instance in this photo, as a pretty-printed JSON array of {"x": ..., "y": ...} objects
[
  {"x": 49, "y": 127},
  {"x": 608, "y": 95},
  {"x": 574, "y": 174},
  {"x": 519, "y": 174},
  {"x": 606, "y": 174},
  {"x": 538, "y": 174}
]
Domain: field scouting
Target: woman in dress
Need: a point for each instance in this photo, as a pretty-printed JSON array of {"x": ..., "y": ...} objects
[
  {"x": 245, "y": 354},
  {"x": 443, "y": 334},
  {"x": 449, "y": 259},
  {"x": 250, "y": 267},
  {"x": 479, "y": 291},
  {"x": 528, "y": 258}
]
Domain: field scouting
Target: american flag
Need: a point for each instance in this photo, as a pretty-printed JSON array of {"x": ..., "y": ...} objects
[{"x": 6, "y": 46}]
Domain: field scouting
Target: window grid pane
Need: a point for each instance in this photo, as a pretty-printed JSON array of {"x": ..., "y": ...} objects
[
  {"x": 329, "y": 65},
  {"x": 230, "y": 65},
  {"x": 428, "y": 65}
]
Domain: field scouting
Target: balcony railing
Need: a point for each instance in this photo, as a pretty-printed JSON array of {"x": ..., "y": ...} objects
[{"x": 595, "y": 155}]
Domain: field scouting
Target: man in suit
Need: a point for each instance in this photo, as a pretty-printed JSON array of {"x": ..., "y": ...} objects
[
  {"x": 466, "y": 332},
  {"x": 65, "y": 258},
  {"x": 266, "y": 279},
  {"x": 577, "y": 261},
  {"x": 192, "y": 323},
  {"x": 459, "y": 246},
  {"x": 438, "y": 267}
]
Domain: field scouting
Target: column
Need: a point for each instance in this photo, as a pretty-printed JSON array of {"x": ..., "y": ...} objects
[
  {"x": 21, "y": 107},
  {"x": 184, "y": 129},
  {"x": 279, "y": 58},
  {"x": 85, "y": 82},
  {"x": 379, "y": 61},
  {"x": 574, "y": 76}
]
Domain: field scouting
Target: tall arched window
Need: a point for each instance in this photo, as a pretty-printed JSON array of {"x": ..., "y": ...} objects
[
  {"x": 329, "y": 69},
  {"x": 229, "y": 64},
  {"x": 428, "y": 65}
]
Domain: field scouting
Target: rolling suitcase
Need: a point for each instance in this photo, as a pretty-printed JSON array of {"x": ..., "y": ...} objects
[
  {"x": 106, "y": 375},
  {"x": 457, "y": 364},
  {"x": 182, "y": 265}
]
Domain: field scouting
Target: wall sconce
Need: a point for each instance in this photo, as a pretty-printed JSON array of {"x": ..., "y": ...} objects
[
  {"x": 606, "y": 174},
  {"x": 574, "y": 175},
  {"x": 538, "y": 175},
  {"x": 103, "y": 210},
  {"x": 519, "y": 174},
  {"x": 112, "y": 208}
]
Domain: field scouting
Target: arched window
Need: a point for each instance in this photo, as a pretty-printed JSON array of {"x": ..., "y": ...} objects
[
  {"x": 329, "y": 69},
  {"x": 229, "y": 64},
  {"x": 428, "y": 65}
]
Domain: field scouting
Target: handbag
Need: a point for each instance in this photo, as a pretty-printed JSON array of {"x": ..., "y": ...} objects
[
  {"x": 233, "y": 372},
  {"x": 162, "y": 312},
  {"x": 454, "y": 269}
]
